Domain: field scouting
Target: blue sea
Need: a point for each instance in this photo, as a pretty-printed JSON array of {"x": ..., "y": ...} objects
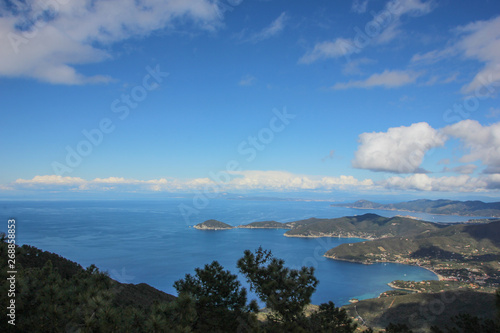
[{"x": 152, "y": 242}]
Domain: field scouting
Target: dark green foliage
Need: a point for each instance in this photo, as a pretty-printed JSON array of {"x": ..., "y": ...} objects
[
  {"x": 497, "y": 295},
  {"x": 397, "y": 328},
  {"x": 36, "y": 258},
  {"x": 285, "y": 291},
  {"x": 178, "y": 316},
  {"x": 54, "y": 294},
  {"x": 465, "y": 323},
  {"x": 219, "y": 299},
  {"x": 331, "y": 319}
]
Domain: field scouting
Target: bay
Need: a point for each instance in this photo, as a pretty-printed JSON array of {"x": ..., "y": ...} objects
[{"x": 152, "y": 242}]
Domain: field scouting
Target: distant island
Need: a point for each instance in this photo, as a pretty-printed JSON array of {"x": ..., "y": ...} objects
[
  {"x": 213, "y": 225},
  {"x": 438, "y": 207}
]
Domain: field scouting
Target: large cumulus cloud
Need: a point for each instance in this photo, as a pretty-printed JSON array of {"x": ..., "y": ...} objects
[{"x": 399, "y": 150}]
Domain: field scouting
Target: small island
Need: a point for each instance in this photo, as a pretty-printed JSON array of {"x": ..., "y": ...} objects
[{"x": 213, "y": 225}]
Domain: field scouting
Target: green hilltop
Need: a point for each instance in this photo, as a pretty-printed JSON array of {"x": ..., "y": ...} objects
[
  {"x": 368, "y": 226},
  {"x": 469, "y": 253},
  {"x": 423, "y": 310},
  {"x": 213, "y": 225}
]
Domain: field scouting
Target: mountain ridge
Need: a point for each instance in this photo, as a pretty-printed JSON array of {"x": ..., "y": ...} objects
[{"x": 437, "y": 207}]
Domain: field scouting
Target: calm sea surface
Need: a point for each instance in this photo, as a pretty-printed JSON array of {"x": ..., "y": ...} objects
[{"x": 151, "y": 241}]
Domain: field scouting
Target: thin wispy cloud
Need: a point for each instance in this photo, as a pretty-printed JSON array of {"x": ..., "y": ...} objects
[
  {"x": 272, "y": 30},
  {"x": 359, "y": 6},
  {"x": 247, "y": 80},
  {"x": 388, "y": 23},
  {"x": 327, "y": 49},
  {"x": 479, "y": 41},
  {"x": 354, "y": 67},
  {"x": 386, "y": 79}
]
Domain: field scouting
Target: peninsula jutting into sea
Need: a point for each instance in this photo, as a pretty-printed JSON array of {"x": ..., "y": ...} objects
[
  {"x": 464, "y": 256},
  {"x": 468, "y": 252}
]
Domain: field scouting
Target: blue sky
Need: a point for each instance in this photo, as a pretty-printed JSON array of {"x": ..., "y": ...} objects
[{"x": 361, "y": 97}]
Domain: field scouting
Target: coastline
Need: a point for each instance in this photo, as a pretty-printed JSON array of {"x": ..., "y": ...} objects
[
  {"x": 439, "y": 276},
  {"x": 412, "y": 211},
  {"x": 246, "y": 227},
  {"x": 210, "y": 228},
  {"x": 328, "y": 236}
]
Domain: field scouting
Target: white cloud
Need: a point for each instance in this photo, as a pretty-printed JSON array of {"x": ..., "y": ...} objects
[
  {"x": 383, "y": 28},
  {"x": 274, "y": 29},
  {"x": 282, "y": 180},
  {"x": 52, "y": 179},
  {"x": 386, "y": 79},
  {"x": 399, "y": 150},
  {"x": 275, "y": 181},
  {"x": 238, "y": 180},
  {"x": 359, "y": 6},
  {"x": 436, "y": 79},
  {"x": 493, "y": 181},
  {"x": 325, "y": 50},
  {"x": 422, "y": 182},
  {"x": 70, "y": 33},
  {"x": 247, "y": 80},
  {"x": 353, "y": 67},
  {"x": 482, "y": 42},
  {"x": 482, "y": 142},
  {"x": 478, "y": 41}
]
